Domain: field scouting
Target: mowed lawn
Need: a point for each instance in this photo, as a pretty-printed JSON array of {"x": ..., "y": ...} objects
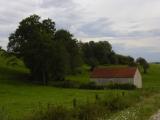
[{"x": 19, "y": 98}]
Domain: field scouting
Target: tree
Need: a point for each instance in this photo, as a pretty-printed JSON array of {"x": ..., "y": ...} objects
[
  {"x": 49, "y": 54},
  {"x": 125, "y": 60},
  {"x": 65, "y": 38},
  {"x": 60, "y": 62},
  {"x": 102, "y": 51},
  {"x": 114, "y": 58},
  {"x": 33, "y": 43},
  {"x": 142, "y": 62},
  {"x": 95, "y": 53}
]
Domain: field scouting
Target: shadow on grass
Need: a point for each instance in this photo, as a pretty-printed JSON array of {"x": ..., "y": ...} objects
[{"x": 13, "y": 75}]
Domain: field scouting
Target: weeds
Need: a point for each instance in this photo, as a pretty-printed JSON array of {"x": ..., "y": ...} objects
[
  {"x": 96, "y": 110},
  {"x": 3, "y": 114}
]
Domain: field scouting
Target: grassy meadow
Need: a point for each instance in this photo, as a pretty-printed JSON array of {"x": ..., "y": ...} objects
[{"x": 19, "y": 98}]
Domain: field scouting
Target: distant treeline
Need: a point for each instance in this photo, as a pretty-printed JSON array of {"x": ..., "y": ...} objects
[
  {"x": 101, "y": 53},
  {"x": 52, "y": 54}
]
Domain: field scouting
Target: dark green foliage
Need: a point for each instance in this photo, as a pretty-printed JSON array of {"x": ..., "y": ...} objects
[
  {"x": 95, "y": 53},
  {"x": 114, "y": 58},
  {"x": 91, "y": 111},
  {"x": 143, "y": 63},
  {"x": 121, "y": 86},
  {"x": 116, "y": 103},
  {"x": 59, "y": 64},
  {"x": 49, "y": 54},
  {"x": 125, "y": 60},
  {"x": 97, "y": 97},
  {"x": 74, "y": 102},
  {"x": 92, "y": 86},
  {"x": 71, "y": 47},
  {"x": 32, "y": 42},
  {"x": 66, "y": 84}
]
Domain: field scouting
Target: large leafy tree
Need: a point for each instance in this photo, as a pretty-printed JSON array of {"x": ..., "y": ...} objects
[
  {"x": 142, "y": 62},
  {"x": 33, "y": 43},
  {"x": 101, "y": 52},
  {"x": 96, "y": 52},
  {"x": 71, "y": 47},
  {"x": 49, "y": 54}
]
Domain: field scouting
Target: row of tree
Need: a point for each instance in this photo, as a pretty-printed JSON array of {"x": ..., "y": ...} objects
[
  {"x": 51, "y": 54},
  {"x": 95, "y": 53}
]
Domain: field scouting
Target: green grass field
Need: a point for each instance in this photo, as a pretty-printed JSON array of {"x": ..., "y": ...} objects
[{"x": 19, "y": 98}]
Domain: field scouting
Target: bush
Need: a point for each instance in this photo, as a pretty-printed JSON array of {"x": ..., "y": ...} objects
[
  {"x": 121, "y": 86},
  {"x": 53, "y": 113},
  {"x": 91, "y": 111},
  {"x": 116, "y": 103},
  {"x": 95, "y": 110},
  {"x": 91, "y": 85},
  {"x": 66, "y": 84}
]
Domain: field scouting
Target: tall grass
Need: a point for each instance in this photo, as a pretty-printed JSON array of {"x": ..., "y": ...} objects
[
  {"x": 3, "y": 114},
  {"x": 95, "y": 110}
]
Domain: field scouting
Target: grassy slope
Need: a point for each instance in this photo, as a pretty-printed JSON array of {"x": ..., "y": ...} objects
[{"x": 20, "y": 98}]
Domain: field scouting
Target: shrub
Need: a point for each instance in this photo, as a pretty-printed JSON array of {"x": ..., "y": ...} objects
[
  {"x": 94, "y": 86},
  {"x": 121, "y": 86},
  {"x": 97, "y": 110},
  {"x": 91, "y": 111},
  {"x": 91, "y": 85},
  {"x": 53, "y": 113},
  {"x": 116, "y": 103},
  {"x": 66, "y": 84}
]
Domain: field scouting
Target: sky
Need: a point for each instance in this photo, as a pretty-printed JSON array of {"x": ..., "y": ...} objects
[{"x": 131, "y": 26}]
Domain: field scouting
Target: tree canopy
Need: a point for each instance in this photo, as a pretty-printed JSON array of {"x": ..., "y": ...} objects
[
  {"x": 49, "y": 54},
  {"x": 101, "y": 53},
  {"x": 142, "y": 62}
]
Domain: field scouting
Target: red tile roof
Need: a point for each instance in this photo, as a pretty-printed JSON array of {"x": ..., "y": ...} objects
[{"x": 123, "y": 72}]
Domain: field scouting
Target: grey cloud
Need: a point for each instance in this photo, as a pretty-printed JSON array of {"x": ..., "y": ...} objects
[
  {"x": 146, "y": 52},
  {"x": 57, "y": 3},
  {"x": 98, "y": 28},
  {"x": 142, "y": 34}
]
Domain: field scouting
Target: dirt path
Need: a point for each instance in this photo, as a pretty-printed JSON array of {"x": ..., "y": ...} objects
[{"x": 156, "y": 116}]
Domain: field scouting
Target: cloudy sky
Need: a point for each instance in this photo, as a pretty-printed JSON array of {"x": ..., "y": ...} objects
[{"x": 131, "y": 26}]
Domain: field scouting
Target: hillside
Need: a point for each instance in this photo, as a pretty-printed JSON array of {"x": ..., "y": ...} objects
[{"x": 19, "y": 97}]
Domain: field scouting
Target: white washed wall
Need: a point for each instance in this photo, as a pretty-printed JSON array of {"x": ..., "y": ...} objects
[
  {"x": 138, "y": 79},
  {"x": 113, "y": 80}
]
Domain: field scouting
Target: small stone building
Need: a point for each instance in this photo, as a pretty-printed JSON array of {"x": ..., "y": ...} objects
[{"x": 121, "y": 75}]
